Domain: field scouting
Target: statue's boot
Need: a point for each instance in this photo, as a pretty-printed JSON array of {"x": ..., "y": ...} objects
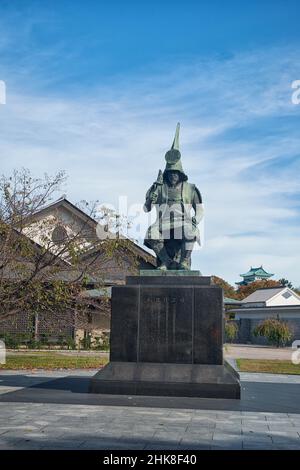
[
  {"x": 185, "y": 262},
  {"x": 162, "y": 254}
]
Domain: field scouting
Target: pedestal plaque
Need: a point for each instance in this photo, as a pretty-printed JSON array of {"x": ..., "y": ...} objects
[{"x": 167, "y": 339}]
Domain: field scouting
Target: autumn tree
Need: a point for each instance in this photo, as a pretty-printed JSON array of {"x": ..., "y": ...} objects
[
  {"x": 42, "y": 274},
  {"x": 244, "y": 291},
  {"x": 228, "y": 289}
]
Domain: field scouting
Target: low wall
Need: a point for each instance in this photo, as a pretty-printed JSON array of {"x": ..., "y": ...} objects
[{"x": 247, "y": 325}]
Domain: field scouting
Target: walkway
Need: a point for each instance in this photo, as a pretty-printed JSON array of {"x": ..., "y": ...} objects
[{"x": 52, "y": 410}]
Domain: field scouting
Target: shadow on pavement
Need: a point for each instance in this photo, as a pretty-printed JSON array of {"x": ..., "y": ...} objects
[
  {"x": 256, "y": 396},
  {"x": 90, "y": 441}
]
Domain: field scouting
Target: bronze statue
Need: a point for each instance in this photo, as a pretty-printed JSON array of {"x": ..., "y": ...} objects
[{"x": 173, "y": 234}]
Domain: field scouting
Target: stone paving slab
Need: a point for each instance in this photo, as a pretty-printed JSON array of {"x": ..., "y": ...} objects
[{"x": 69, "y": 418}]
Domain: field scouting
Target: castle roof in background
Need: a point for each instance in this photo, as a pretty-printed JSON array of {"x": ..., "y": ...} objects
[
  {"x": 254, "y": 274},
  {"x": 258, "y": 272}
]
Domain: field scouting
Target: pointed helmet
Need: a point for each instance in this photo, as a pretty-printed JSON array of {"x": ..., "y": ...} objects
[{"x": 173, "y": 156}]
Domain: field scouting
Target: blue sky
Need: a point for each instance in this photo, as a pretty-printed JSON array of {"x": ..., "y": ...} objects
[{"x": 96, "y": 88}]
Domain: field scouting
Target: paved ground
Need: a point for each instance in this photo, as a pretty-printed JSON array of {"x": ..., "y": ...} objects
[
  {"x": 51, "y": 410},
  {"x": 243, "y": 351}
]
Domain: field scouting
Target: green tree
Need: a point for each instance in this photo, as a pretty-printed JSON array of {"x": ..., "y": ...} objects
[
  {"x": 286, "y": 283},
  {"x": 274, "y": 330}
]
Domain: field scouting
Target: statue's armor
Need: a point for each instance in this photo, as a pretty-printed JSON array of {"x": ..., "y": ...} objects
[
  {"x": 180, "y": 199},
  {"x": 175, "y": 216},
  {"x": 173, "y": 234}
]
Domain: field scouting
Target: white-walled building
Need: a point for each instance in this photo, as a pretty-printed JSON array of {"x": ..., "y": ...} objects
[{"x": 271, "y": 297}]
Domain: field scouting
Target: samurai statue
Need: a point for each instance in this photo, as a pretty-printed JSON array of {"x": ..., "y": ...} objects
[{"x": 179, "y": 211}]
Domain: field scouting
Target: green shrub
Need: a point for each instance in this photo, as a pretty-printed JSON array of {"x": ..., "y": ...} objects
[
  {"x": 34, "y": 344},
  {"x": 275, "y": 331},
  {"x": 15, "y": 340},
  {"x": 65, "y": 342},
  {"x": 86, "y": 342},
  {"x": 11, "y": 341},
  {"x": 70, "y": 342},
  {"x": 101, "y": 343},
  {"x": 105, "y": 341},
  {"x": 231, "y": 331},
  {"x": 97, "y": 343},
  {"x": 44, "y": 339}
]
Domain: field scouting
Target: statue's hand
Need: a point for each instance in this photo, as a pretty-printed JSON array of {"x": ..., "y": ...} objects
[{"x": 153, "y": 197}]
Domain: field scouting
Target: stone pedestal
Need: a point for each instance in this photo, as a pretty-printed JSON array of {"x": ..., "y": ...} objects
[{"x": 167, "y": 339}]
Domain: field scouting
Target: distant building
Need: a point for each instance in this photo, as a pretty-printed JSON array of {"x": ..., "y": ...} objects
[
  {"x": 254, "y": 274},
  {"x": 272, "y": 302},
  {"x": 228, "y": 302},
  {"x": 271, "y": 297},
  {"x": 63, "y": 217}
]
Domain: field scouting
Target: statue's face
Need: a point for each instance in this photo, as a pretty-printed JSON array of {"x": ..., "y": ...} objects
[{"x": 173, "y": 177}]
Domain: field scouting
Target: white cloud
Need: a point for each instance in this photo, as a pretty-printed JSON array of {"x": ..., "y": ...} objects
[{"x": 112, "y": 140}]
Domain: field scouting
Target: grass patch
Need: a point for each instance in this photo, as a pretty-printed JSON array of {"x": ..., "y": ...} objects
[
  {"x": 268, "y": 366},
  {"x": 52, "y": 361}
]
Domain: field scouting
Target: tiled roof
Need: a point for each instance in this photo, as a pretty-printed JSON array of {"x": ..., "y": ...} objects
[
  {"x": 260, "y": 271},
  {"x": 262, "y": 295},
  {"x": 229, "y": 301}
]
